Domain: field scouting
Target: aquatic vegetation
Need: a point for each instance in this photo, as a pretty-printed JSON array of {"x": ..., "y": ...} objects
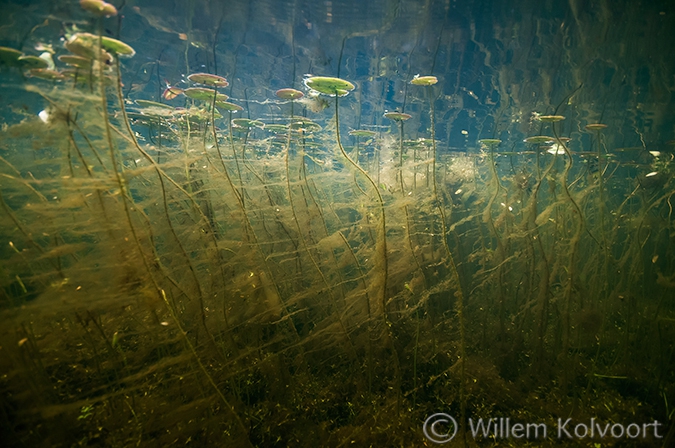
[
  {"x": 362, "y": 133},
  {"x": 45, "y": 73},
  {"x": 289, "y": 94},
  {"x": 397, "y": 116},
  {"x": 99, "y": 8},
  {"x": 539, "y": 139},
  {"x": 117, "y": 47},
  {"x": 267, "y": 266},
  {"x": 329, "y": 86},
  {"x": 208, "y": 79},
  {"x": 230, "y": 107},
  {"x": 76, "y": 61},
  {"x": 424, "y": 80},
  {"x": 10, "y": 57},
  {"x": 550, "y": 118},
  {"x": 204, "y": 94},
  {"x": 32, "y": 62}
]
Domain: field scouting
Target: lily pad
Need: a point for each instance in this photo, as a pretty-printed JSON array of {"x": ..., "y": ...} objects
[
  {"x": 397, "y": 116},
  {"x": 247, "y": 123},
  {"x": 550, "y": 118},
  {"x": 45, "y": 73},
  {"x": 228, "y": 106},
  {"x": 539, "y": 139},
  {"x": 208, "y": 79},
  {"x": 85, "y": 45},
  {"x": 424, "y": 80},
  {"x": 10, "y": 56},
  {"x": 274, "y": 127},
  {"x": 99, "y": 8},
  {"x": 171, "y": 93},
  {"x": 489, "y": 142},
  {"x": 31, "y": 62},
  {"x": 117, "y": 46},
  {"x": 329, "y": 86},
  {"x": 75, "y": 61},
  {"x": 306, "y": 125},
  {"x": 362, "y": 133},
  {"x": 204, "y": 94},
  {"x": 595, "y": 127},
  {"x": 147, "y": 103},
  {"x": 289, "y": 94},
  {"x": 413, "y": 144}
]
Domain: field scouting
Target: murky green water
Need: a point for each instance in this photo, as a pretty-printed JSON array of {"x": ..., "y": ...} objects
[{"x": 461, "y": 208}]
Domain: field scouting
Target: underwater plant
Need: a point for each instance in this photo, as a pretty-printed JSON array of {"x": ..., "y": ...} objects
[
  {"x": 99, "y": 8},
  {"x": 187, "y": 265},
  {"x": 338, "y": 87},
  {"x": 429, "y": 82}
]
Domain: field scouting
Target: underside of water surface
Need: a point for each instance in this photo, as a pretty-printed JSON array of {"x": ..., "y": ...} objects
[{"x": 293, "y": 223}]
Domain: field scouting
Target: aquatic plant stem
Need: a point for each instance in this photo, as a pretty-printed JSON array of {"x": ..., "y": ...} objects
[
  {"x": 250, "y": 232},
  {"x": 400, "y": 156},
  {"x": 369, "y": 348},
  {"x": 544, "y": 283},
  {"x": 208, "y": 376},
  {"x": 601, "y": 211},
  {"x": 383, "y": 252},
  {"x": 574, "y": 246},
  {"x": 415, "y": 259},
  {"x": 459, "y": 293},
  {"x": 500, "y": 245},
  {"x": 302, "y": 236},
  {"x": 118, "y": 176},
  {"x": 132, "y": 136}
]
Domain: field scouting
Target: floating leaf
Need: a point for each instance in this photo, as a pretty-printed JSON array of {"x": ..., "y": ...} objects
[
  {"x": 147, "y": 103},
  {"x": 85, "y": 45},
  {"x": 362, "y": 133},
  {"x": 99, "y": 8},
  {"x": 595, "y": 127},
  {"x": 397, "y": 116},
  {"x": 171, "y": 93},
  {"x": 31, "y": 62},
  {"x": 276, "y": 127},
  {"x": 45, "y": 73},
  {"x": 247, "y": 123},
  {"x": 489, "y": 142},
  {"x": 550, "y": 118},
  {"x": 10, "y": 56},
  {"x": 208, "y": 79},
  {"x": 76, "y": 61},
  {"x": 117, "y": 46},
  {"x": 329, "y": 86},
  {"x": 539, "y": 139},
  {"x": 289, "y": 94},
  {"x": 305, "y": 125},
  {"x": 204, "y": 94},
  {"x": 228, "y": 106},
  {"x": 424, "y": 80}
]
